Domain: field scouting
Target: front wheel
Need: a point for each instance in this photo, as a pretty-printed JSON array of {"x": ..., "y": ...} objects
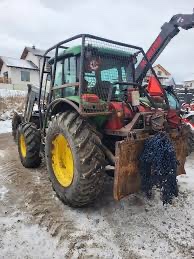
[
  {"x": 29, "y": 141},
  {"x": 74, "y": 159}
]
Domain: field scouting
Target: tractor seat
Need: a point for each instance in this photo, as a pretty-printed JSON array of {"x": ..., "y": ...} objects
[{"x": 103, "y": 89}]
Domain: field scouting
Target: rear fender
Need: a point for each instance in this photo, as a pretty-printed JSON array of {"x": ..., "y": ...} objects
[{"x": 62, "y": 104}]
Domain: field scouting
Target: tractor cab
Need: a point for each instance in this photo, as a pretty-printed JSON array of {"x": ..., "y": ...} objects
[
  {"x": 97, "y": 77},
  {"x": 105, "y": 73}
]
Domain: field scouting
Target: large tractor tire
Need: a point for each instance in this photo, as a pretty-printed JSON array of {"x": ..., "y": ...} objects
[
  {"x": 29, "y": 141},
  {"x": 74, "y": 159},
  {"x": 16, "y": 121}
]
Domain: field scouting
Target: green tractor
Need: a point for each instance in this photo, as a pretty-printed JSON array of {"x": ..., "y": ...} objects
[{"x": 93, "y": 112}]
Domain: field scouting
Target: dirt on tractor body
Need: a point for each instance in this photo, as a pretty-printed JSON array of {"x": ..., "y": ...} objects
[{"x": 34, "y": 223}]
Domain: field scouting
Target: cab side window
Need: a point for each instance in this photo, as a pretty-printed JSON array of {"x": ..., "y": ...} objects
[
  {"x": 67, "y": 72},
  {"x": 70, "y": 70},
  {"x": 58, "y": 74},
  {"x": 70, "y": 76}
]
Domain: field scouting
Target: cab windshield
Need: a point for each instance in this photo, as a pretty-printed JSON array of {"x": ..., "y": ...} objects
[{"x": 102, "y": 75}]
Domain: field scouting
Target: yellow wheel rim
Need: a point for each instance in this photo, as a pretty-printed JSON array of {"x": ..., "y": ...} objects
[
  {"x": 23, "y": 145},
  {"x": 62, "y": 160}
]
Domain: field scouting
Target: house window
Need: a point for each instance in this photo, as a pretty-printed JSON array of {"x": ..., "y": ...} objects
[
  {"x": 5, "y": 75},
  {"x": 159, "y": 73},
  {"x": 25, "y": 76}
]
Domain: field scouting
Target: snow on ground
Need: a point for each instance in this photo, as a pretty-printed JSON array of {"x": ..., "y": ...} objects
[
  {"x": 5, "y": 126},
  {"x": 187, "y": 180},
  {"x": 34, "y": 223},
  {"x": 11, "y": 93}
]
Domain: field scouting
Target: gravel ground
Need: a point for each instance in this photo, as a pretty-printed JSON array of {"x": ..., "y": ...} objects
[{"x": 35, "y": 224}]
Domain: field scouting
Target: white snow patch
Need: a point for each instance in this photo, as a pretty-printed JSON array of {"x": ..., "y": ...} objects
[
  {"x": 30, "y": 241},
  {"x": 6, "y": 115},
  {"x": 2, "y": 154},
  {"x": 188, "y": 179},
  {"x": 5, "y": 126},
  {"x": 35, "y": 108},
  {"x": 10, "y": 93},
  {"x": 3, "y": 191}
]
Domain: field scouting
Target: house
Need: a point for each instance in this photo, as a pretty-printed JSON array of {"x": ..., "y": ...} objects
[
  {"x": 35, "y": 55},
  {"x": 18, "y": 72},
  {"x": 163, "y": 75}
]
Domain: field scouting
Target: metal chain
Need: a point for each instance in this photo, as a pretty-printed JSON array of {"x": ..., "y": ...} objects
[{"x": 158, "y": 167}]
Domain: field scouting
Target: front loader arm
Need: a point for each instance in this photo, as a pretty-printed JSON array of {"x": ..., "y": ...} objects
[
  {"x": 32, "y": 97},
  {"x": 168, "y": 31}
]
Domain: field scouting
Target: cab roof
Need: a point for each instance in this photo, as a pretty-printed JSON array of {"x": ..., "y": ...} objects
[{"x": 76, "y": 50}]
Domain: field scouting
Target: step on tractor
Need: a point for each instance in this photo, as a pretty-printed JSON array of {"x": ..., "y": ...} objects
[{"x": 93, "y": 112}]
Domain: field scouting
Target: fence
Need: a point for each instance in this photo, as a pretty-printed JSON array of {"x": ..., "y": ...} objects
[{"x": 5, "y": 80}]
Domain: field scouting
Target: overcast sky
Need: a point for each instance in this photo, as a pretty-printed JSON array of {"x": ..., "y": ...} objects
[{"x": 45, "y": 22}]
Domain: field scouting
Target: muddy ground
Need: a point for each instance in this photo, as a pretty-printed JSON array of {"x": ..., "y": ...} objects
[{"x": 35, "y": 224}]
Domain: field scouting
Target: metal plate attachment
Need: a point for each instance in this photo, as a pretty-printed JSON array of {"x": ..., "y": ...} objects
[{"x": 127, "y": 178}]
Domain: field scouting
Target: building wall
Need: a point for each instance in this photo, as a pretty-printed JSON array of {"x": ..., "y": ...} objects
[
  {"x": 160, "y": 73},
  {"x": 33, "y": 58},
  {"x": 38, "y": 61},
  {"x": 16, "y": 76},
  {"x": 5, "y": 69}
]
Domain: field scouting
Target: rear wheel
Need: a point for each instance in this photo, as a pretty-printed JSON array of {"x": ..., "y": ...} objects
[
  {"x": 74, "y": 159},
  {"x": 29, "y": 145}
]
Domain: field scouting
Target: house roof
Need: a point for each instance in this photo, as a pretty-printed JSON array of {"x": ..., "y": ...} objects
[
  {"x": 34, "y": 51},
  {"x": 19, "y": 63},
  {"x": 163, "y": 69}
]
